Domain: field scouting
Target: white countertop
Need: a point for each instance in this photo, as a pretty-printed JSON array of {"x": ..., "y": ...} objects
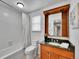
[{"x": 62, "y": 38}]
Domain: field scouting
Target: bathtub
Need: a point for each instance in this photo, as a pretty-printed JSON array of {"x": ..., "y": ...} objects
[{"x": 10, "y": 50}]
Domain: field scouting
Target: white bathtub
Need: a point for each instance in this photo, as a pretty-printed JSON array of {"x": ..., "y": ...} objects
[{"x": 10, "y": 50}]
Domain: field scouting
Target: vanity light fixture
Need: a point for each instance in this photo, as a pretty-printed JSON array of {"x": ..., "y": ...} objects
[{"x": 19, "y": 4}]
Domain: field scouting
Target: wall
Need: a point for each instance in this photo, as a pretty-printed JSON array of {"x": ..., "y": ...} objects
[{"x": 74, "y": 33}]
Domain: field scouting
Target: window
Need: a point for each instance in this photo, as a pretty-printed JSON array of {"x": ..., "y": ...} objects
[{"x": 36, "y": 23}]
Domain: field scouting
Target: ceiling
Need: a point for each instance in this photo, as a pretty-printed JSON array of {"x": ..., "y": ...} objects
[{"x": 31, "y": 5}]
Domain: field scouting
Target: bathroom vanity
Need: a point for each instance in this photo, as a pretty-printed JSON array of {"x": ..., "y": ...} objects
[{"x": 48, "y": 51}]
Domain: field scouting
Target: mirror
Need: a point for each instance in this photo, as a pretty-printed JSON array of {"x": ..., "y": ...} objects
[{"x": 55, "y": 24}]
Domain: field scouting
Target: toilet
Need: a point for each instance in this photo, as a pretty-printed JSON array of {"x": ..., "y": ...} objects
[
  {"x": 30, "y": 52},
  {"x": 35, "y": 43}
]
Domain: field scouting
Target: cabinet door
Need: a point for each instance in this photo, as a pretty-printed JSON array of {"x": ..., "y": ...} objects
[
  {"x": 54, "y": 56},
  {"x": 44, "y": 55}
]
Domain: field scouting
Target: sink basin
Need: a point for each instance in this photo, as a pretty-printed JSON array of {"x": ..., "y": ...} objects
[
  {"x": 63, "y": 45},
  {"x": 56, "y": 44}
]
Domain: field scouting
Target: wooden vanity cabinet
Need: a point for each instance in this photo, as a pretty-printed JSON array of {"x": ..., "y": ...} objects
[{"x": 48, "y": 52}]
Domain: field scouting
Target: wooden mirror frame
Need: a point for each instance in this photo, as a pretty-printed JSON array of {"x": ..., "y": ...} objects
[{"x": 65, "y": 19}]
